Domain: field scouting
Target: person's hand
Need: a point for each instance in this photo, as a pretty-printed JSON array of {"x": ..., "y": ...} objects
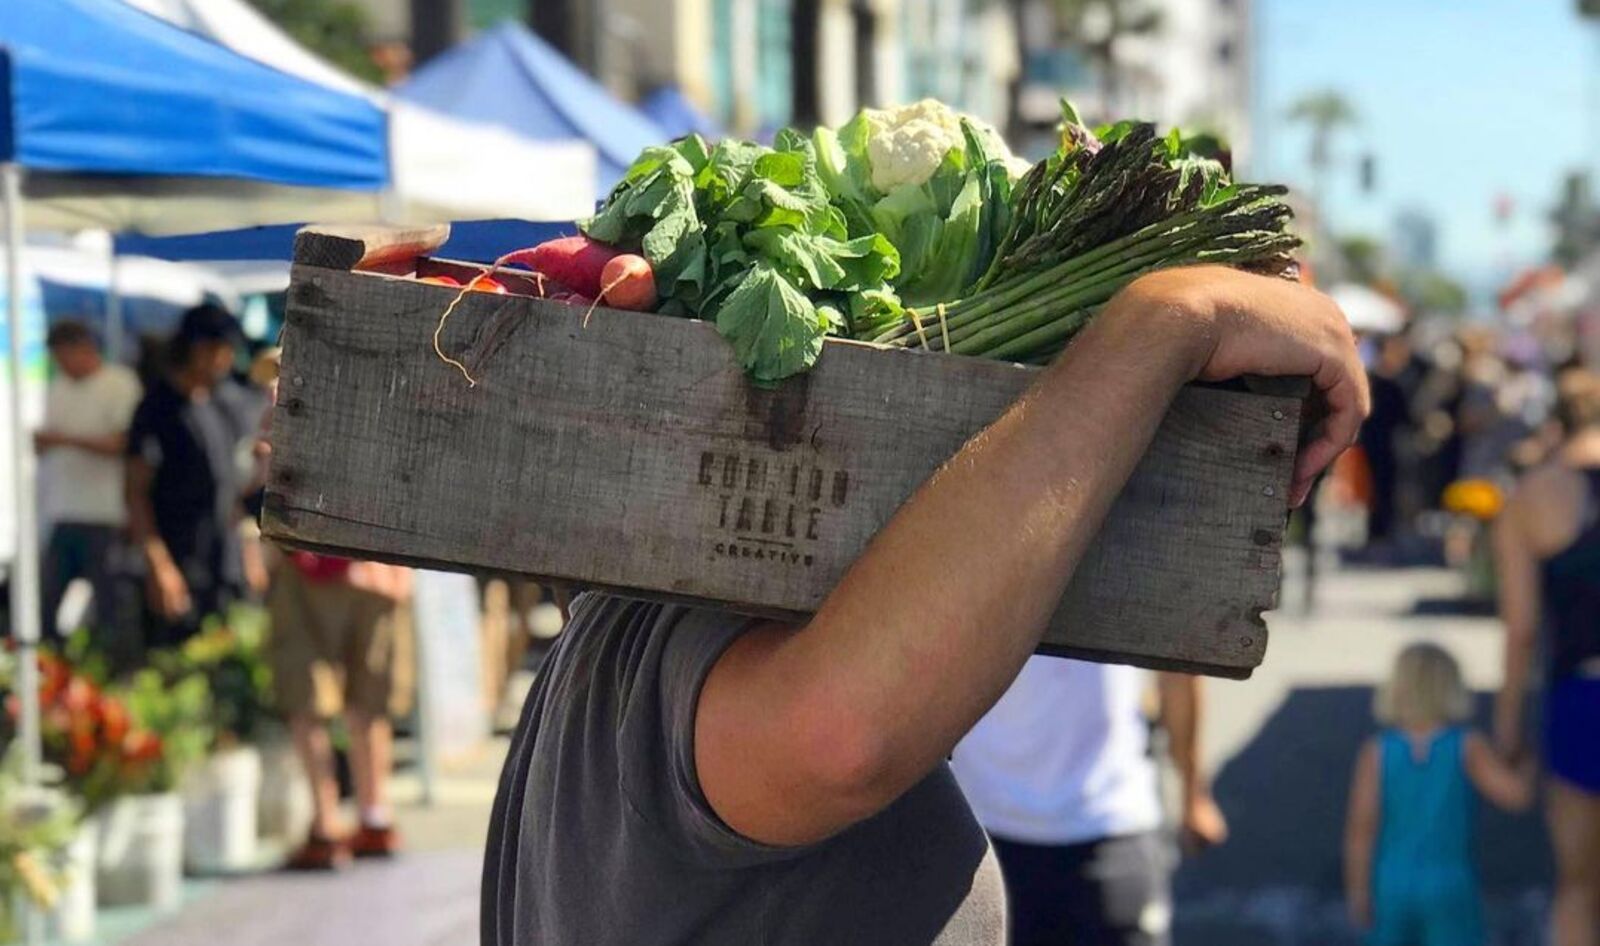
[
  {"x": 255, "y": 572},
  {"x": 168, "y": 590},
  {"x": 1203, "y": 824},
  {"x": 1359, "y": 904},
  {"x": 44, "y": 440},
  {"x": 1527, "y": 770},
  {"x": 1508, "y": 741},
  {"x": 1246, "y": 324}
]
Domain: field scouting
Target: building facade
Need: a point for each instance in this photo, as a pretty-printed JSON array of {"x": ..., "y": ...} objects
[
  {"x": 757, "y": 65},
  {"x": 1192, "y": 68}
]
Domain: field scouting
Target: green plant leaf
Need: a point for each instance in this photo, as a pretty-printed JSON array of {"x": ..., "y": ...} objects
[{"x": 774, "y": 328}]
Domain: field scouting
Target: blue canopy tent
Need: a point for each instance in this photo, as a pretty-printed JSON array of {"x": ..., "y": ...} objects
[
  {"x": 676, "y": 116},
  {"x": 507, "y": 76},
  {"x": 480, "y": 241},
  {"x": 113, "y": 112},
  {"x": 108, "y": 115}
]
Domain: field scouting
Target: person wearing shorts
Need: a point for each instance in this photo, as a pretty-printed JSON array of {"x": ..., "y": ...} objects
[
  {"x": 341, "y": 646},
  {"x": 1547, "y": 559}
]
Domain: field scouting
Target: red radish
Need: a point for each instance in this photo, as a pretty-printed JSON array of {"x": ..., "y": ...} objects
[
  {"x": 490, "y": 284},
  {"x": 628, "y": 282},
  {"x": 574, "y": 261},
  {"x": 441, "y": 281}
]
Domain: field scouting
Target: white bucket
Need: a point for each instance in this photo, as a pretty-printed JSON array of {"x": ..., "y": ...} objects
[
  {"x": 72, "y": 920},
  {"x": 284, "y": 812},
  {"x": 141, "y": 852},
  {"x": 219, "y": 812}
]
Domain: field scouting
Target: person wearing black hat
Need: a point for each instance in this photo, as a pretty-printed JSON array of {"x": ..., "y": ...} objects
[{"x": 184, "y": 481}]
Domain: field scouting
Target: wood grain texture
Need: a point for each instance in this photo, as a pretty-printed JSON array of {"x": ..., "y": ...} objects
[
  {"x": 633, "y": 454},
  {"x": 362, "y": 246}
]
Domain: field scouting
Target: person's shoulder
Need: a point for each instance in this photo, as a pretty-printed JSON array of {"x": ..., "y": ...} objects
[
  {"x": 122, "y": 381},
  {"x": 1374, "y": 746},
  {"x": 593, "y": 608},
  {"x": 159, "y": 398},
  {"x": 1546, "y": 489},
  {"x": 240, "y": 400},
  {"x": 118, "y": 373},
  {"x": 1538, "y": 480}
]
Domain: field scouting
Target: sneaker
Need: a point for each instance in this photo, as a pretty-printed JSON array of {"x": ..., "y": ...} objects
[
  {"x": 319, "y": 854},
  {"x": 370, "y": 841}
]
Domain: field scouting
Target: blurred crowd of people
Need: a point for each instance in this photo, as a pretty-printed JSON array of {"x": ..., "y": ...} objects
[
  {"x": 152, "y": 482},
  {"x": 1483, "y": 450},
  {"x": 1451, "y": 404},
  {"x": 154, "y": 477}
]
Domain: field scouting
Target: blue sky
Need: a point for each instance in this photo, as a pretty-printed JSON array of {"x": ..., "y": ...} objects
[{"x": 1460, "y": 100}]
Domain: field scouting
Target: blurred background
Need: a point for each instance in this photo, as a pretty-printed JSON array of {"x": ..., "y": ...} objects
[{"x": 1442, "y": 160}]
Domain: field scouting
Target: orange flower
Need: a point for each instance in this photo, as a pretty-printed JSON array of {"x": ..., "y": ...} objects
[
  {"x": 78, "y": 695},
  {"x": 113, "y": 719},
  {"x": 1480, "y": 499},
  {"x": 142, "y": 746},
  {"x": 53, "y": 677}
]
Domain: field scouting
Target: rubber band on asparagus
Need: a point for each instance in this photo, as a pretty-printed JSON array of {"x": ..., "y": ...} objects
[{"x": 917, "y": 321}]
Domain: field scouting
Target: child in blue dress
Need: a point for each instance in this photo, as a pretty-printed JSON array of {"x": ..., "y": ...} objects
[{"x": 1409, "y": 873}]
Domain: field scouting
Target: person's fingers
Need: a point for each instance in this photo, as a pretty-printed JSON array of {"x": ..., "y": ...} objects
[{"x": 1344, "y": 390}]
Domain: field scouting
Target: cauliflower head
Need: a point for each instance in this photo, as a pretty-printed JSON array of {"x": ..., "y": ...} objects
[{"x": 905, "y": 145}]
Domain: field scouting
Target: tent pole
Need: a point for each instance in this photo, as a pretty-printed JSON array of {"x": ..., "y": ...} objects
[
  {"x": 25, "y": 567},
  {"x": 113, "y": 308}
]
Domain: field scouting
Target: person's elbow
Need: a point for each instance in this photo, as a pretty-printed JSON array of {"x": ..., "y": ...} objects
[
  {"x": 786, "y": 756},
  {"x": 846, "y": 762}
]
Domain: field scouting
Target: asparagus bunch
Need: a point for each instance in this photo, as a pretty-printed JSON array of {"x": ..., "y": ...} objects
[{"x": 1086, "y": 222}]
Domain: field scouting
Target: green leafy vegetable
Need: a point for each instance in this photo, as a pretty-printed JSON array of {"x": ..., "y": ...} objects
[
  {"x": 748, "y": 237},
  {"x": 774, "y": 328}
]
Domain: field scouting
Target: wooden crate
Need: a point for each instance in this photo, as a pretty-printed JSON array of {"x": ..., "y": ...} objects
[{"x": 632, "y": 454}]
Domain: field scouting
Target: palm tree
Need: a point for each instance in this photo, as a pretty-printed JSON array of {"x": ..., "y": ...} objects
[
  {"x": 1326, "y": 111},
  {"x": 1098, "y": 26}
]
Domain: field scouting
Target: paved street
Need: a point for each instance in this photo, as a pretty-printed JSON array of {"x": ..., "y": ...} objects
[{"x": 1281, "y": 746}]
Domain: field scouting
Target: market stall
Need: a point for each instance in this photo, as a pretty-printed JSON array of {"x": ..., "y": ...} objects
[{"x": 508, "y": 77}]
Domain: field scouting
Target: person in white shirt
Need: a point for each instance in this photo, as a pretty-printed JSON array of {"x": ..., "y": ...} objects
[
  {"x": 88, "y": 407},
  {"x": 1061, "y": 775}
]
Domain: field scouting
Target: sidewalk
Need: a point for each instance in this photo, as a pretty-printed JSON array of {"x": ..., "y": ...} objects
[
  {"x": 428, "y": 896},
  {"x": 1280, "y": 747}
]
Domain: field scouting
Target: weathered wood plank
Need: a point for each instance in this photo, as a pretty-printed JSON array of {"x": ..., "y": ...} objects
[
  {"x": 633, "y": 454},
  {"x": 366, "y": 246}
]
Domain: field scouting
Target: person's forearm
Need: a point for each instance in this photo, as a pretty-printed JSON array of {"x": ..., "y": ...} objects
[
  {"x": 1357, "y": 866},
  {"x": 1509, "y": 701},
  {"x": 109, "y": 445},
  {"x": 142, "y": 530},
  {"x": 935, "y": 619},
  {"x": 1180, "y": 714}
]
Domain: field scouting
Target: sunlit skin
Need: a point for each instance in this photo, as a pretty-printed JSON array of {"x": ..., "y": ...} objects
[
  {"x": 1542, "y": 518},
  {"x": 799, "y": 735}
]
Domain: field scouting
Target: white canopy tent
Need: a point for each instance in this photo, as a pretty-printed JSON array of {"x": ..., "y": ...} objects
[
  {"x": 1367, "y": 309},
  {"x": 443, "y": 169}
]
